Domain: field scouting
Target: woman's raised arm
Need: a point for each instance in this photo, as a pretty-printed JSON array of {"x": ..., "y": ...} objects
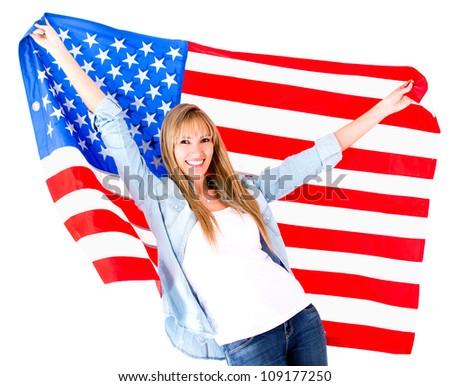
[
  {"x": 395, "y": 101},
  {"x": 87, "y": 89}
]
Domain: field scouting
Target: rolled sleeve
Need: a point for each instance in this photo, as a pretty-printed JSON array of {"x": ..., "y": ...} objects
[
  {"x": 329, "y": 150},
  {"x": 105, "y": 111}
]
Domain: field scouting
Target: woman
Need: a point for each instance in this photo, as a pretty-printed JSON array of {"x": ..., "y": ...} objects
[{"x": 227, "y": 288}]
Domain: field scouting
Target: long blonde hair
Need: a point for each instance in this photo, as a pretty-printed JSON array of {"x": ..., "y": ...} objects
[{"x": 180, "y": 121}]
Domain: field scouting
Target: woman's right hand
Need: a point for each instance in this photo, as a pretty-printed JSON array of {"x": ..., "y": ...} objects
[{"x": 46, "y": 36}]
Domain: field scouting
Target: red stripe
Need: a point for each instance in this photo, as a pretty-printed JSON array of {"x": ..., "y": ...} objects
[
  {"x": 276, "y": 147},
  {"x": 122, "y": 268},
  {"x": 398, "y": 248},
  {"x": 359, "y": 287},
  {"x": 80, "y": 177},
  {"x": 97, "y": 221},
  {"x": 355, "y": 199},
  {"x": 368, "y": 338},
  {"x": 300, "y": 99}
]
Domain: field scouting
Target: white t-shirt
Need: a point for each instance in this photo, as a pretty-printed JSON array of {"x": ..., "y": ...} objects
[{"x": 243, "y": 292}]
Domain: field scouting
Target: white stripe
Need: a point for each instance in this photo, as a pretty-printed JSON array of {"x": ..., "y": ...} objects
[
  {"x": 362, "y": 181},
  {"x": 109, "y": 244},
  {"x": 298, "y": 125},
  {"x": 351, "y": 220},
  {"x": 345, "y": 84},
  {"x": 364, "y": 312},
  {"x": 355, "y": 264}
]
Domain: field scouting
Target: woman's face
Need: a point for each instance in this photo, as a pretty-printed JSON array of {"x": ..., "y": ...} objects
[{"x": 193, "y": 152}]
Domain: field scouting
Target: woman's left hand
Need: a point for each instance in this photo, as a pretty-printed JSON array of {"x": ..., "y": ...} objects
[{"x": 398, "y": 99}]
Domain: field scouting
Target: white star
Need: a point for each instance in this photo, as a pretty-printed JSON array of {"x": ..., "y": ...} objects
[
  {"x": 134, "y": 130},
  {"x": 130, "y": 60},
  {"x": 115, "y": 71},
  {"x": 158, "y": 64},
  {"x": 63, "y": 35},
  {"x": 118, "y": 44},
  {"x": 153, "y": 92},
  {"x": 142, "y": 75},
  {"x": 69, "y": 104},
  {"x": 150, "y": 118},
  {"x": 52, "y": 91},
  {"x": 145, "y": 146},
  {"x": 103, "y": 55},
  {"x": 92, "y": 136},
  {"x": 71, "y": 128},
  {"x": 50, "y": 130},
  {"x": 104, "y": 152},
  {"x": 126, "y": 87},
  {"x": 42, "y": 75},
  {"x": 146, "y": 48},
  {"x": 100, "y": 81},
  {"x": 90, "y": 40},
  {"x": 138, "y": 102},
  {"x": 165, "y": 107},
  {"x": 82, "y": 144},
  {"x": 45, "y": 101},
  {"x": 87, "y": 66},
  {"x": 174, "y": 53},
  {"x": 81, "y": 120},
  {"x": 75, "y": 51},
  {"x": 57, "y": 87},
  {"x": 169, "y": 80},
  {"x": 159, "y": 133},
  {"x": 57, "y": 113},
  {"x": 156, "y": 161}
]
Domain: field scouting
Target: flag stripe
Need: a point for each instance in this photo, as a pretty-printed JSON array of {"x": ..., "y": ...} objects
[
  {"x": 371, "y": 338},
  {"x": 354, "y": 286},
  {"x": 344, "y": 241},
  {"x": 123, "y": 268},
  {"x": 352, "y": 220},
  {"x": 355, "y": 264},
  {"x": 300, "y": 99},
  {"x": 364, "y": 312},
  {"x": 354, "y": 199}
]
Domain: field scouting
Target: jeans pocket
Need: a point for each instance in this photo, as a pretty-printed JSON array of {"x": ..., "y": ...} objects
[{"x": 233, "y": 347}]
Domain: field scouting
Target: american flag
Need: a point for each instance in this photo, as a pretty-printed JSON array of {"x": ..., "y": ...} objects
[{"x": 355, "y": 235}]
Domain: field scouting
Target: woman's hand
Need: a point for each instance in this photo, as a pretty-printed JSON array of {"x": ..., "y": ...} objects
[
  {"x": 397, "y": 100},
  {"x": 87, "y": 89},
  {"x": 46, "y": 36}
]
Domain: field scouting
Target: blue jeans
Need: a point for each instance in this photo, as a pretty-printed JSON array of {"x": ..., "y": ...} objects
[{"x": 298, "y": 342}]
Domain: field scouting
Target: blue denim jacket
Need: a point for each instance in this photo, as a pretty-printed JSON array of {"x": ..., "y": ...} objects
[{"x": 171, "y": 220}]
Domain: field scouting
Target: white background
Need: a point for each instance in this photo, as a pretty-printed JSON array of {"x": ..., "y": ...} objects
[{"x": 60, "y": 325}]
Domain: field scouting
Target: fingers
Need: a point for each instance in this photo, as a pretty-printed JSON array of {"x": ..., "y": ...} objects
[{"x": 407, "y": 86}]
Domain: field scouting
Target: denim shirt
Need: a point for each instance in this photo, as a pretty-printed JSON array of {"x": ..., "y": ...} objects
[{"x": 171, "y": 220}]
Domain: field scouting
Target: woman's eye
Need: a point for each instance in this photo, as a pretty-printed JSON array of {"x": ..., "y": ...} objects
[
  {"x": 184, "y": 141},
  {"x": 205, "y": 139}
]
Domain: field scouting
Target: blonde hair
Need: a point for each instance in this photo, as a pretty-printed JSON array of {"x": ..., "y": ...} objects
[{"x": 179, "y": 122}]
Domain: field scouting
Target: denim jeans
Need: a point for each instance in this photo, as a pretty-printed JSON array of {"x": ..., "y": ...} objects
[{"x": 298, "y": 342}]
